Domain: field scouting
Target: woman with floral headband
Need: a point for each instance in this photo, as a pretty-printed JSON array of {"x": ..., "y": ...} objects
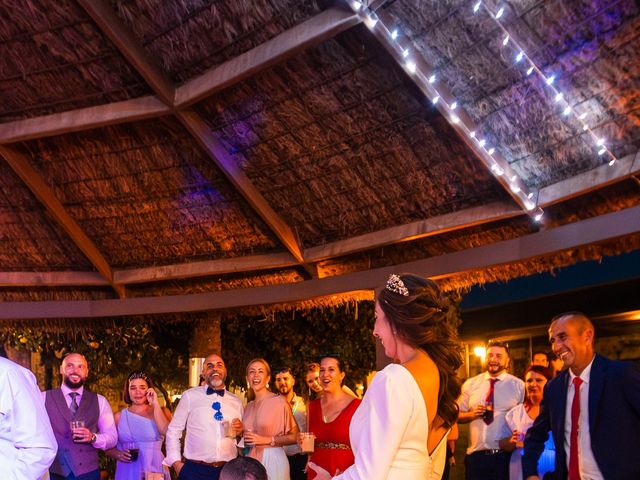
[
  {"x": 399, "y": 432},
  {"x": 141, "y": 428}
]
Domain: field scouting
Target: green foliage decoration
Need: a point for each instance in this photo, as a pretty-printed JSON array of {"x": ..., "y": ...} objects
[{"x": 114, "y": 350}]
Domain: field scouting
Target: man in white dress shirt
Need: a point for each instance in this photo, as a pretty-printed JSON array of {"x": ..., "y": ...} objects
[
  {"x": 484, "y": 402},
  {"x": 202, "y": 412},
  {"x": 77, "y": 456},
  {"x": 27, "y": 444}
]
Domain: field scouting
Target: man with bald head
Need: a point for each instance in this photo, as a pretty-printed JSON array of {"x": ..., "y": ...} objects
[
  {"x": 592, "y": 409},
  {"x": 208, "y": 413},
  {"x": 77, "y": 456}
]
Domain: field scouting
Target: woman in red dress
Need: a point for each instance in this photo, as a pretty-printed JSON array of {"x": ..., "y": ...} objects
[{"x": 328, "y": 418}]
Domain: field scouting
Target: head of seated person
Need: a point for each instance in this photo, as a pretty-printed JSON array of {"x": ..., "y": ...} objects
[{"x": 243, "y": 468}]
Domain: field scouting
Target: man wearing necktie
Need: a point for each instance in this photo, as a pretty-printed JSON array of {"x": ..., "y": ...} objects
[
  {"x": 483, "y": 403},
  {"x": 592, "y": 408},
  {"x": 77, "y": 456},
  {"x": 208, "y": 413}
]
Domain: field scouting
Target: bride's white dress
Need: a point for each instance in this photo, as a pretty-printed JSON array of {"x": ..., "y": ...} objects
[{"x": 389, "y": 432}]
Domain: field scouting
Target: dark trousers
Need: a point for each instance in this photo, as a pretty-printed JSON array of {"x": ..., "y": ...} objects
[
  {"x": 95, "y": 475},
  {"x": 195, "y": 471},
  {"x": 487, "y": 466},
  {"x": 297, "y": 464}
]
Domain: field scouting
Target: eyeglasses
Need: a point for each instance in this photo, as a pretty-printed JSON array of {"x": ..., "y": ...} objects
[{"x": 216, "y": 407}]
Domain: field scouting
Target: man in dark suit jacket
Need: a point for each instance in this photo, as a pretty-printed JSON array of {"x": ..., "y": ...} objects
[{"x": 606, "y": 442}]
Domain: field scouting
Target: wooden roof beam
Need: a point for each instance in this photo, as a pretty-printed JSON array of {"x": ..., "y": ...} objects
[
  {"x": 101, "y": 13},
  {"x": 205, "y": 138},
  {"x": 317, "y": 29},
  {"x": 21, "y": 166},
  {"x": 82, "y": 119},
  {"x": 593, "y": 230},
  {"x": 52, "y": 279}
]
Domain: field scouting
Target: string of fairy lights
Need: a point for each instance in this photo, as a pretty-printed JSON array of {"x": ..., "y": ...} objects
[{"x": 428, "y": 80}]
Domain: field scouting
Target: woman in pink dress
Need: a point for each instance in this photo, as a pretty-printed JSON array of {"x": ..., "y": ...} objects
[{"x": 268, "y": 422}]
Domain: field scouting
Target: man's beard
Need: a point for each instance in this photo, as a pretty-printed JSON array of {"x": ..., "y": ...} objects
[
  {"x": 72, "y": 385},
  {"x": 284, "y": 390},
  {"x": 215, "y": 382}
]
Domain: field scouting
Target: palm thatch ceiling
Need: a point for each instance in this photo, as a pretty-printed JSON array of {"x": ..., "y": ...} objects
[{"x": 164, "y": 156}]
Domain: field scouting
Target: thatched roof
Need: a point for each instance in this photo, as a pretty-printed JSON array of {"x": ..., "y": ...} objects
[{"x": 165, "y": 157}]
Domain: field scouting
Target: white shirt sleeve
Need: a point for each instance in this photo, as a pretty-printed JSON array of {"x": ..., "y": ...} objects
[
  {"x": 174, "y": 431},
  {"x": 27, "y": 443},
  {"x": 107, "y": 434},
  {"x": 463, "y": 401},
  {"x": 383, "y": 416}
]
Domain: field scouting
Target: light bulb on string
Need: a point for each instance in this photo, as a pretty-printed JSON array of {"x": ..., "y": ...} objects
[
  {"x": 454, "y": 105},
  {"x": 482, "y": 142},
  {"x": 411, "y": 66},
  {"x": 455, "y": 119},
  {"x": 566, "y": 111},
  {"x": 558, "y": 97},
  {"x": 519, "y": 57},
  {"x": 491, "y": 151},
  {"x": 514, "y": 188},
  {"x": 394, "y": 34},
  {"x": 476, "y": 7},
  {"x": 539, "y": 214},
  {"x": 551, "y": 79},
  {"x": 582, "y": 116},
  {"x": 600, "y": 142},
  {"x": 529, "y": 71},
  {"x": 585, "y": 127},
  {"x": 370, "y": 20},
  {"x": 500, "y": 12},
  {"x": 405, "y": 53},
  {"x": 602, "y": 151},
  {"x": 356, "y": 5},
  {"x": 472, "y": 134},
  {"x": 435, "y": 99},
  {"x": 529, "y": 205},
  {"x": 613, "y": 160},
  {"x": 505, "y": 41},
  {"x": 432, "y": 78}
]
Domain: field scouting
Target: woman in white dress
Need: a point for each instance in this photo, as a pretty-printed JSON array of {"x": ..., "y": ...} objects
[
  {"x": 520, "y": 418},
  {"x": 399, "y": 432},
  {"x": 268, "y": 422}
]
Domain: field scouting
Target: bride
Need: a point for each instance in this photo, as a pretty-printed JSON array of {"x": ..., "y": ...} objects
[{"x": 400, "y": 430}]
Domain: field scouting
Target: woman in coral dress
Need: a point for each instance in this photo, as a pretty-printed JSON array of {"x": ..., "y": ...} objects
[{"x": 268, "y": 423}]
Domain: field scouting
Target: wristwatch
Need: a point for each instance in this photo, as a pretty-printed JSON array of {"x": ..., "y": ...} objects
[
  {"x": 273, "y": 441},
  {"x": 93, "y": 439}
]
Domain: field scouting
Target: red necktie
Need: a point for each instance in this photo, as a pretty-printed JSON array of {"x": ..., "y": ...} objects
[
  {"x": 488, "y": 413},
  {"x": 574, "y": 462}
]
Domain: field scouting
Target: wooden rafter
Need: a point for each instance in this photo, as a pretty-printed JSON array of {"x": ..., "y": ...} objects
[
  {"x": 21, "y": 166},
  {"x": 82, "y": 119},
  {"x": 323, "y": 26},
  {"x": 101, "y": 13},
  {"x": 593, "y": 230}
]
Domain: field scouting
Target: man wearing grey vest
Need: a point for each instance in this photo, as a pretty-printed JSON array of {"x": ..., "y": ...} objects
[{"x": 77, "y": 457}]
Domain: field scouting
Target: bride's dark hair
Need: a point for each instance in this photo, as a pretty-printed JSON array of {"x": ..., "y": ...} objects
[{"x": 415, "y": 309}]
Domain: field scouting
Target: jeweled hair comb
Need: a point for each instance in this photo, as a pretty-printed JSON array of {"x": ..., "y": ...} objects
[{"x": 396, "y": 285}]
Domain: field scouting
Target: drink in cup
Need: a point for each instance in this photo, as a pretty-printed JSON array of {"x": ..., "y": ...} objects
[
  {"x": 520, "y": 441},
  {"x": 75, "y": 424},
  {"x": 307, "y": 443},
  {"x": 133, "y": 449},
  {"x": 228, "y": 430}
]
